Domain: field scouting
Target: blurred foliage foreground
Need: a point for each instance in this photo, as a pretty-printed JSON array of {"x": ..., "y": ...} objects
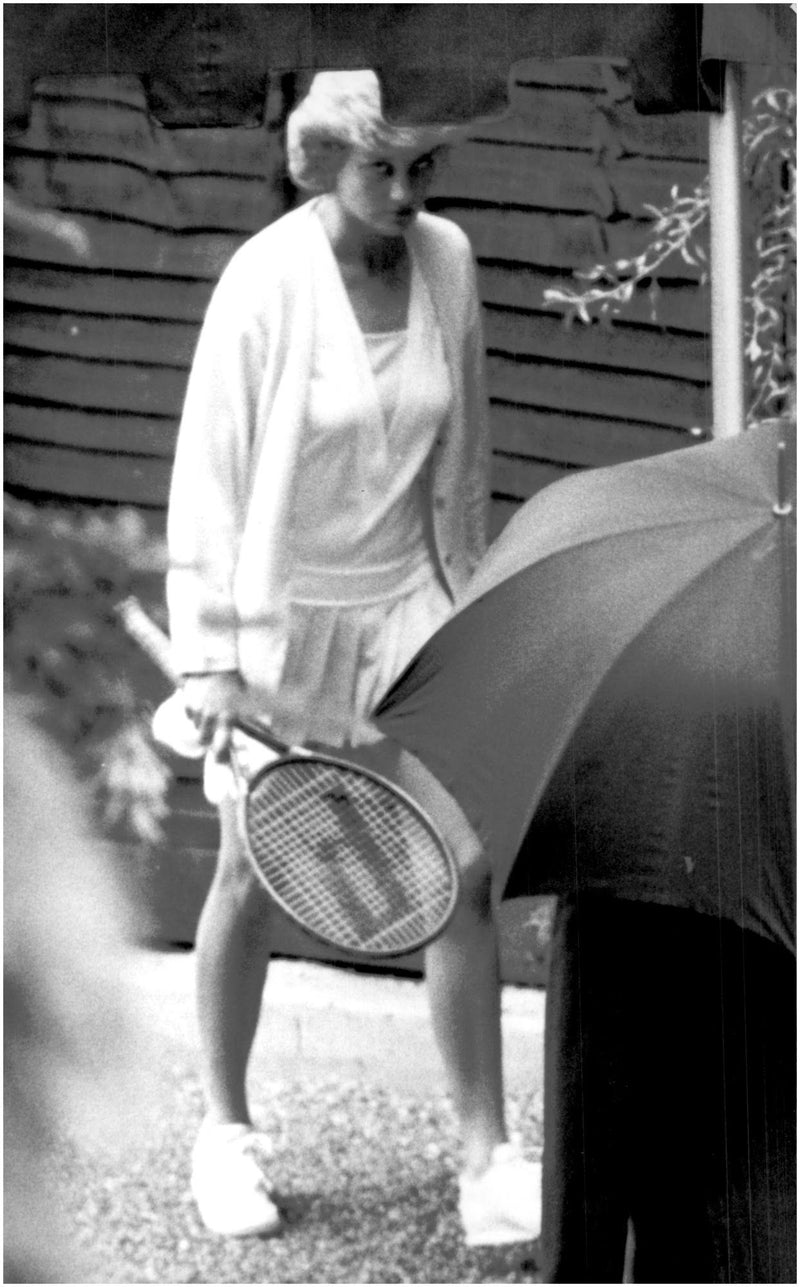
[{"x": 68, "y": 653}]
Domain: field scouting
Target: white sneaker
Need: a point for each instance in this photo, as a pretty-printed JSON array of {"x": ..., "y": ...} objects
[
  {"x": 229, "y": 1183},
  {"x": 504, "y": 1204}
]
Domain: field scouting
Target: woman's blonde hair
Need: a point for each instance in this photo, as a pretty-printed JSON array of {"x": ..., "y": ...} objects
[{"x": 342, "y": 110}]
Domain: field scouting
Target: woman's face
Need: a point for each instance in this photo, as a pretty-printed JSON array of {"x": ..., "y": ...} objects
[{"x": 384, "y": 188}]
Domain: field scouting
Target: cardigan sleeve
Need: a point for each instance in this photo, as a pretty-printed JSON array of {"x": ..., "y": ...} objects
[
  {"x": 465, "y": 453},
  {"x": 476, "y": 409},
  {"x": 210, "y": 480}
]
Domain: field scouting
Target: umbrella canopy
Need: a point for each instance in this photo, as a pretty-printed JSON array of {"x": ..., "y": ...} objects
[{"x": 612, "y": 705}]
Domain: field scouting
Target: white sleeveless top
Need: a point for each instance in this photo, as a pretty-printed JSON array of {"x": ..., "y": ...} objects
[
  {"x": 374, "y": 408},
  {"x": 385, "y": 351}
]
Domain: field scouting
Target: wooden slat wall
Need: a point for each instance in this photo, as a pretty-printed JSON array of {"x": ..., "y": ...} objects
[
  {"x": 98, "y": 351},
  {"x": 559, "y": 186}
]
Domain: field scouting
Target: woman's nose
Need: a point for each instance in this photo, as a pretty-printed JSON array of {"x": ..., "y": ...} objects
[{"x": 401, "y": 190}]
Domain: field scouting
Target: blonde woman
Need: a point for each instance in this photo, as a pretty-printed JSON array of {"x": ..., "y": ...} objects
[{"x": 328, "y": 502}]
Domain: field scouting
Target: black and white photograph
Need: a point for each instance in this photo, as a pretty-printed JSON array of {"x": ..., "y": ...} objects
[{"x": 400, "y": 643}]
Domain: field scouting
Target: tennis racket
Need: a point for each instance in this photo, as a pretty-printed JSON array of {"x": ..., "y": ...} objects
[{"x": 351, "y": 858}]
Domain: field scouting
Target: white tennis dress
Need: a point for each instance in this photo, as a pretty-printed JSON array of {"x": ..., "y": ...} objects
[{"x": 364, "y": 594}]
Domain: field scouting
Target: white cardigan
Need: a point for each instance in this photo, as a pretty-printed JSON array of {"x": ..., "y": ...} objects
[{"x": 241, "y": 431}]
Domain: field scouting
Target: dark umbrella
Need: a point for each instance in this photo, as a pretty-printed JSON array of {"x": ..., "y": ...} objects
[{"x": 612, "y": 707}]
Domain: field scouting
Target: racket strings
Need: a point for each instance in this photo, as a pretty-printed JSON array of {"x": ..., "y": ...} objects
[{"x": 349, "y": 859}]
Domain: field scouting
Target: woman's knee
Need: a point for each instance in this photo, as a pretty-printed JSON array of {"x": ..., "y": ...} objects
[
  {"x": 475, "y": 891},
  {"x": 235, "y": 879}
]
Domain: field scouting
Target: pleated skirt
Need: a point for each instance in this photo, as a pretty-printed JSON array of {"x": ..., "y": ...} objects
[{"x": 339, "y": 661}]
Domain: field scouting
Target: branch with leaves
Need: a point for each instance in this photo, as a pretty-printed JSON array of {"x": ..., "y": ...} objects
[
  {"x": 770, "y": 172},
  {"x": 674, "y": 232}
]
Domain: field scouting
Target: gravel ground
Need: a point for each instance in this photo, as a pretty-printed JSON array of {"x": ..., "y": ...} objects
[{"x": 365, "y": 1176}]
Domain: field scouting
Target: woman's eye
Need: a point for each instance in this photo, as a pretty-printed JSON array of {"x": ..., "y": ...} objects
[
  {"x": 382, "y": 168},
  {"x": 423, "y": 166}
]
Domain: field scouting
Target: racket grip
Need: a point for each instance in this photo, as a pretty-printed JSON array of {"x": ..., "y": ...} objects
[
  {"x": 260, "y": 733},
  {"x": 155, "y": 643},
  {"x": 150, "y": 638}
]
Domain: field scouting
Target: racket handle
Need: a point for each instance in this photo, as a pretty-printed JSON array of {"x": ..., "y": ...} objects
[
  {"x": 155, "y": 643},
  {"x": 150, "y": 638},
  {"x": 260, "y": 733}
]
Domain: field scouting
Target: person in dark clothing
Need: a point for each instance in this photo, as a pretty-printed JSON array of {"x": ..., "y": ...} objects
[
  {"x": 670, "y": 1069},
  {"x": 613, "y": 707},
  {"x": 670, "y": 1082}
]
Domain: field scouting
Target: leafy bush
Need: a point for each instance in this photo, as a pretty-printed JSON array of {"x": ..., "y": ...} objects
[{"x": 66, "y": 649}]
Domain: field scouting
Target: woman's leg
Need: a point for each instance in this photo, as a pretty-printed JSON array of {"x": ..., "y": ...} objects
[
  {"x": 232, "y": 951},
  {"x": 500, "y": 1192},
  {"x": 462, "y": 969},
  {"x": 464, "y": 986}
]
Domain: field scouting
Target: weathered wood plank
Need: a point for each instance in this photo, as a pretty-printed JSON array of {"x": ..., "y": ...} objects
[
  {"x": 106, "y": 294},
  {"x": 110, "y": 120},
  {"x": 529, "y": 237},
  {"x": 115, "y": 339},
  {"x": 638, "y": 182},
  {"x": 101, "y": 386},
  {"x": 562, "y": 181},
  {"x": 567, "y": 73},
  {"x": 680, "y": 306},
  {"x": 627, "y": 348},
  {"x": 678, "y": 136},
  {"x": 525, "y": 176},
  {"x": 586, "y": 121},
  {"x": 547, "y": 117},
  {"x": 120, "y": 90},
  {"x": 576, "y": 390},
  {"x": 127, "y": 247},
  {"x": 503, "y": 509},
  {"x": 567, "y": 242},
  {"x": 227, "y": 203},
  {"x": 159, "y": 391},
  {"x": 126, "y": 340},
  {"x": 133, "y": 435},
  {"x": 519, "y": 479},
  {"x": 547, "y": 436},
  {"x": 582, "y": 441},
  {"x": 59, "y": 471}
]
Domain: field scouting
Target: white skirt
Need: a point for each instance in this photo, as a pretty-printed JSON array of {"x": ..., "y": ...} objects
[{"x": 340, "y": 660}]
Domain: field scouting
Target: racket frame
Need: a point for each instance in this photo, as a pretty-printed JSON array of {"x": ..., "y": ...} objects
[{"x": 297, "y": 755}]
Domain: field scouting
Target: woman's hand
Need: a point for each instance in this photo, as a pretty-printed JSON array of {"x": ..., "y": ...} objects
[{"x": 212, "y": 702}]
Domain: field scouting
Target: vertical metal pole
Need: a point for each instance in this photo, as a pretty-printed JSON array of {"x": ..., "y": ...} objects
[{"x": 727, "y": 285}]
